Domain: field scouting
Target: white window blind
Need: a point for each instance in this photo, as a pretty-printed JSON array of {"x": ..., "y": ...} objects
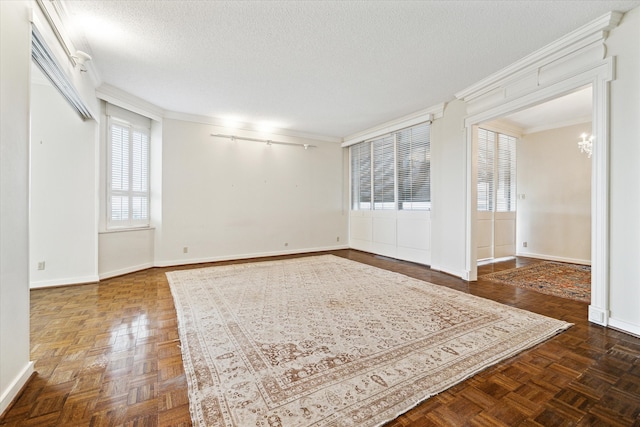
[
  {"x": 496, "y": 172},
  {"x": 486, "y": 148},
  {"x": 384, "y": 173},
  {"x": 128, "y": 175},
  {"x": 506, "y": 170},
  {"x": 361, "y": 176},
  {"x": 393, "y": 171},
  {"x": 414, "y": 168}
]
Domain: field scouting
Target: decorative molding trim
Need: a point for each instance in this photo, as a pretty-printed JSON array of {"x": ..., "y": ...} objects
[
  {"x": 247, "y": 127},
  {"x": 125, "y": 100},
  {"x": 566, "y": 65},
  {"x": 623, "y": 326},
  {"x": 13, "y": 391},
  {"x": 463, "y": 274},
  {"x": 418, "y": 117},
  {"x": 309, "y": 251},
  {"x": 64, "y": 282},
  {"x": 600, "y": 181},
  {"x": 593, "y": 32},
  {"x": 598, "y": 316},
  {"x": 579, "y": 78}
]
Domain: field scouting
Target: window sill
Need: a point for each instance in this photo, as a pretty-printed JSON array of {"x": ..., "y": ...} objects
[{"x": 125, "y": 230}]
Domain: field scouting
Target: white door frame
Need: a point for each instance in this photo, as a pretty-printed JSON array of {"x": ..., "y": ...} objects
[
  {"x": 598, "y": 77},
  {"x": 572, "y": 62}
]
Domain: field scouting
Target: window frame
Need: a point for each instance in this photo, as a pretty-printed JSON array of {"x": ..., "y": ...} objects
[
  {"x": 378, "y": 185},
  {"x": 130, "y": 222}
]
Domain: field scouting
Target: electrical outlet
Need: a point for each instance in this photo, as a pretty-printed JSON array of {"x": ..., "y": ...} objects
[
  {"x": 286, "y": 244},
  {"x": 185, "y": 250},
  {"x": 41, "y": 265},
  {"x": 524, "y": 244},
  {"x": 338, "y": 239}
]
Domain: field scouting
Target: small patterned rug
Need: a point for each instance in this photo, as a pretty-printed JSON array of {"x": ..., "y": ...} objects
[
  {"x": 552, "y": 278},
  {"x": 324, "y": 341}
]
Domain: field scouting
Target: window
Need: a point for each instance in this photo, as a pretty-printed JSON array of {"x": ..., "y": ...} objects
[
  {"x": 414, "y": 168},
  {"x": 496, "y": 172},
  {"x": 361, "y": 176},
  {"x": 383, "y": 173},
  {"x": 393, "y": 171},
  {"x": 128, "y": 175},
  {"x": 506, "y": 169}
]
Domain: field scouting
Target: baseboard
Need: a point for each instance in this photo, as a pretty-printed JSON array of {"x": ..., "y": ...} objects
[
  {"x": 462, "y": 274},
  {"x": 64, "y": 282},
  {"x": 13, "y": 391},
  {"x": 598, "y": 316},
  {"x": 126, "y": 270},
  {"x": 175, "y": 262},
  {"x": 623, "y": 326},
  {"x": 555, "y": 258}
]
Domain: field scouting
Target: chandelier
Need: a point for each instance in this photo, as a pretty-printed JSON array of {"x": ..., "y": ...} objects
[{"x": 586, "y": 144}]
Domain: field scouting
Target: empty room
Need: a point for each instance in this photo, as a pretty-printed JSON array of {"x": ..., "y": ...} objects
[{"x": 319, "y": 213}]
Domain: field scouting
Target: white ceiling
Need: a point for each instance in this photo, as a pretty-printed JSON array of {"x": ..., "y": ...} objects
[{"x": 328, "y": 68}]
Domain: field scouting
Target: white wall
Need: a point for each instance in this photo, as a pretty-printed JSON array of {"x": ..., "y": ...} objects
[
  {"x": 63, "y": 215},
  {"x": 125, "y": 251},
  {"x": 624, "y": 292},
  {"x": 224, "y": 199},
  {"x": 15, "y": 59},
  {"x": 554, "y": 218},
  {"x": 449, "y": 184}
]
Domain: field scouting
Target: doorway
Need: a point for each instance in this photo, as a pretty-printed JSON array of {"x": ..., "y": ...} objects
[
  {"x": 598, "y": 75},
  {"x": 545, "y": 209}
]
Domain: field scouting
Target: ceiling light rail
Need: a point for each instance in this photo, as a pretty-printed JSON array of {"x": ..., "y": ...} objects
[{"x": 265, "y": 141}]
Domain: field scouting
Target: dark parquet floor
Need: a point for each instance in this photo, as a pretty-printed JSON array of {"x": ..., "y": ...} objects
[{"x": 108, "y": 354}]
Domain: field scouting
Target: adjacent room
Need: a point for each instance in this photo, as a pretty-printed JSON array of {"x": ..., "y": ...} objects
[{"x": 246, "y": 213}]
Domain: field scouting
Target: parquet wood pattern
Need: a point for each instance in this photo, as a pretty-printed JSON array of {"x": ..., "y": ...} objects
[{"x": 108, "y": 354}]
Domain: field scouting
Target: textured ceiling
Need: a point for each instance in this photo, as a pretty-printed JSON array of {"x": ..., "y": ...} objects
[{"x": 326, "y": 68}]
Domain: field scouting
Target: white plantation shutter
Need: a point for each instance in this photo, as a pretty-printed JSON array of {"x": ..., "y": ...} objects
[
  {"x": 506, "y": 170},
  {"x": 128, "y": 172},
  {"x": 414, "y": 168},
  {"x": 119, "y": 157},
  {"x": 496, "y": 172},
  {"x": 361, "y": 176},
  {"x": 384, "y": 173}
]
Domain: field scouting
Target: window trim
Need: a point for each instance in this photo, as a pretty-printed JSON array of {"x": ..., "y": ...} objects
[
  {"x": 413, "y": 206},
  {"x": 131, "y": 223}
]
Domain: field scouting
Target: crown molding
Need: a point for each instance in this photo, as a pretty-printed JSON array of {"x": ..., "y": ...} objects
[
  {"x": 214, "y": 121},
  {"x": 125, "y": 100},
  {"x": 426, "y": 115},
  {"x": 594, "y": 32},
  {"x": 551, "y": 126}
]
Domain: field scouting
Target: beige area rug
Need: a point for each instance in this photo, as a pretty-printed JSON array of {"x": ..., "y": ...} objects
[{"x": 324, "y": 341}]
